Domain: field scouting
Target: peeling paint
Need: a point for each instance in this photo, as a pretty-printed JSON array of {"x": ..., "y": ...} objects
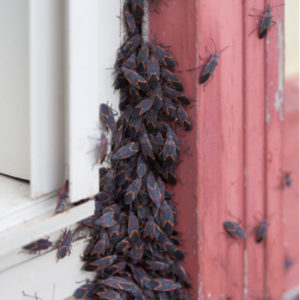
[
  {"x": 200, "y": 295},
  {"x": 222, "y": 296},
  {"x": 145, "y": 27},
  {"x": 268, "y": 115},
  {"x": 245, "y": 177},
  {"x": 279, "y": 96},
  {"x": 245, "y": 274}
]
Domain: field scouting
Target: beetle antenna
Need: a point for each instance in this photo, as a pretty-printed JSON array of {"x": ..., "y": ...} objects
[
  {"x": 261, "y": 11},
  {"x": 213, "y": 43},
  {"x": 282, "y": 4},
  {"x": 223, "y": 49}
]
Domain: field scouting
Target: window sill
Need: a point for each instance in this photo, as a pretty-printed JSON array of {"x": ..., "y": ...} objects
[
  {"x": 16, "y": 205},
  {"x": 23, "y": 220}
]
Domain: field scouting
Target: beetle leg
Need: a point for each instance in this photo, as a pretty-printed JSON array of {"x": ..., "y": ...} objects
[
  {"x": 257, "y": 16},
  {"x": 238, "y": 219},
  {"x": 201, "y": 57},
  {"x": 206, "y": 49},
  {"x": 166, "y": 3},
  {"x": 252, "y": 31},
  {"x": 208, "y": 81},
  {"x": 191, "y": 69},
  {"x": 258, "y": 10}
]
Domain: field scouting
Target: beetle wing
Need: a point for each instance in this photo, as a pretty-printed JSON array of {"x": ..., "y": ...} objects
[
  {"x": 137, "y": 9},
  {"x": 137, "y": 250},
  {"x": 142, "y": 107},
  {"x": 139, "y": 275},
  {"x": 142, "y": 59},
  {"x": 129, "y": 20},
  {"x": 85, "y": 290},
  {"x": 133, "y": 227},
  {"x": 132, "y": 191},
  {"x": 147, "y": 150},
  {"x": 163, "y": 56},
  {"x": 157, "y": 97},
  {"x": 106, "y": 220},
  {"x": 166, "y": 218},
  {"x": 116, "y": 268},
  {"x": 122, "y": 284},
  {"x": 183, "y": 118},
  {"x": 114, "y": 233},
  {"x": 129, "y": 46},
  {"x": 169, "y": 154},
  {"x": 169, "y": 108},
  {"x": 153, "y": 71},
  {"x": 141, "y": 166},
  {"x": 123, "y": 246},
  {"x": 107, "y": 117},
  {"x": 126, "y": 151},
  {"x": 171, "y": 80},
  {"x": 150, "y": 232},
  {"x": 163, "y": 285},
  {"x": 135, "y": 79},
  {"x": 153, "y": 189}
]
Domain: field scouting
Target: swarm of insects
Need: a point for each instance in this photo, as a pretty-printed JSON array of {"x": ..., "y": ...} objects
[{"x": 134, "y": 249}]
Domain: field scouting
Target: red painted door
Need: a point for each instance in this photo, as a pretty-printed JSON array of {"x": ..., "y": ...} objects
[
  {"x": 233, "y": 166},
  {"x": 291, "y": 194}
]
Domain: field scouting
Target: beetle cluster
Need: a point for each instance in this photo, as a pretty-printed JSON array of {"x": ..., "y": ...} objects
[{"x": 135, "y": 248}]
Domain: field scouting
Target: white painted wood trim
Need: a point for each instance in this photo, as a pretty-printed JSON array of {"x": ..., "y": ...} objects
[
  {"x": 40, "y": 274},
  {"x": 14, "y": 89},
  {"x": 47, "y": 127},
  {"x": 110, "y": 38},
  {"x": 27, "y": 232},
  {"x": 82, "y": 92},
  {"x": 292, "y": 294}
]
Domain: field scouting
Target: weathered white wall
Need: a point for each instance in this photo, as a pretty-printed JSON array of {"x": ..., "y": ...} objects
[
  {"x": 88, "y": 56},
  {"x": 291, "y": 17},
  {"x": 14, "y": 88}
]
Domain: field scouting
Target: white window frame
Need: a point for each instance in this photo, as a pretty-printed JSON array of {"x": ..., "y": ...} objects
[{"x": 88, "y": 81}]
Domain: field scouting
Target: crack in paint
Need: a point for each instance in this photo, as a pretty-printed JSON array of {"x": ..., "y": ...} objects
[
  {"x": 279, "y": 96},
  {"x": 268, "y": 114},
  {"x": 245, "y": 274}
]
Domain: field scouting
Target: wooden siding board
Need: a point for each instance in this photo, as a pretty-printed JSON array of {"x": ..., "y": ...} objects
[
  {"x": 291, "y": 194},
  {"x": 175, "y": 26},
  {"x": 221, "y": 149},
  {"x": 254, "y": 146},
  {"x": 82, "y": 62},
  {"x": 229, "y": 174},
  {"x": 274, "y": 74}
]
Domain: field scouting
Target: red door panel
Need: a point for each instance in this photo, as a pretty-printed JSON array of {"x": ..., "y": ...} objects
[{"x": 234, "y": 158}]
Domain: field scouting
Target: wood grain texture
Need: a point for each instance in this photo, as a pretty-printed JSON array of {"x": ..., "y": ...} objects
[
  {"x": 274, "y": 95},
  {"x": 254, "y": 147},
  {"x": 236, "y": 145},
  {"x": 291, "y": 194},
  {"x": 175, "y": 26},
  {"x": 220, "y": 137}
]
